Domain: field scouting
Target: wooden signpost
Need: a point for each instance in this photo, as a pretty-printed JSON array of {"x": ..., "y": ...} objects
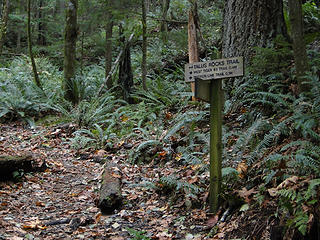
[{"x": 208, "y": 87}]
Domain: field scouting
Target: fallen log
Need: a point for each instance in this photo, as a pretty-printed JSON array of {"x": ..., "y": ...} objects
[
  {"x": 110, "y": 197},
  {"x": 10, "y": 164}
]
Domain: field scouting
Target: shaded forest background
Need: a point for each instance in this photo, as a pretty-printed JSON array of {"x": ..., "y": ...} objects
[{"x": 116, "y": 71}]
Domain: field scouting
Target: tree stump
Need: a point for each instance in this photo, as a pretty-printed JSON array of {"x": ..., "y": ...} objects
[{"x": 110, "y": 192}]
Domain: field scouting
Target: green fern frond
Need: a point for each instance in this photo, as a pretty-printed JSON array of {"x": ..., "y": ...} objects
[
  {"x": 146, "y": 144},
  {"x": 255, "y": 129},
  {"x": 289, "y": 194}
]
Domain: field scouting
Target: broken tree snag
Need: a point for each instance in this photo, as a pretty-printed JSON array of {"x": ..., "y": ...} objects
[
  {"x": 9, "y": 164},
  {"x": 110, "y": 192},
  {"x": 192, "y": 40}
]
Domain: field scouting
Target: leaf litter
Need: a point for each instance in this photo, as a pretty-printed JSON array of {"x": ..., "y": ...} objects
[{"x": 60, "y": 202}]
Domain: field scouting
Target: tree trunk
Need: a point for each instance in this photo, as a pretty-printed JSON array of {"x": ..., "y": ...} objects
[
  {"x": 193, "y": 39},
  {"x": 164, "y": 23},
  {"x": 70, "y": 39},
  {"x": 108, "y": 54},
  {"x": 34, "y": 67},
  {"x": 144, "y": 45},
  {"x": 299, "y": 46},
  {"x": 125, "y": 74},
  {"x": 251, "y": 23},
  {"x": 20, "y": 10},
  {"x": 125, "y": 70},
  {"x": 41, "y": 25},
  {"x": 4, "y": 24}
]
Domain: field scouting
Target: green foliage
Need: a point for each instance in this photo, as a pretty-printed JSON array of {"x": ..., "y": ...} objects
[
  {"x": 311, "y": 20},
  {"x": 272, "y": 59},
  {"x": 18, "y": 174},
  {"x": 137, "y": 235},
  {"x": 297, "y": 204},
  {"x": 170, "y": 183},
  {"x": 29, "y": 101}
]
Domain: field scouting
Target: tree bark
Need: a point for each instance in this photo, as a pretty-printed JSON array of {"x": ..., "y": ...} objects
[
  {"x": 110, "y": 192},
  {"x": 251, "y": 23},
  {"x": 41, "y": 25},
  {"x": 125, "y": 74},
  {"x": 34, "y": 67},
  {"x": 299, "y": 46},
  {"x": 144, "y": 45},
  {"x": 70, "y": 39},
  {"x": 193, "y": 39},
  {"x": 9, "y": 164},
  {"x": 108, "y": 55},
  {"x": 164, "y": 23},
  {"x": 4, "y": 24},
  {"x": 125, "y": 70}
]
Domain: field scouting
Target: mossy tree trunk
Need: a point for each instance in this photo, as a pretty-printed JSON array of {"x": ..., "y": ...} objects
[
  {"x": 164, "y": 23},
  {"x": 109, "y": 33},
  {"x": 34, "y": 67},
  {"x": 4, "y": 23},
  {"x": 70, "y": 39},
  {"x": 41, "y": 25},
  {"x": 110, "y": 197},
  {"x": 299, "y": 46},
  {"x": 144, "y": 45}
]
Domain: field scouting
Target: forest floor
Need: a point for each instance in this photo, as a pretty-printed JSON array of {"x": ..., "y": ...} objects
[{"x": 60, "y": 202}]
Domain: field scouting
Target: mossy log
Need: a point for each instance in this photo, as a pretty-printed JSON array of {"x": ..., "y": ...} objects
[
  {"x": 9, "y": 164},
  {"x": 110, "y": 192}
]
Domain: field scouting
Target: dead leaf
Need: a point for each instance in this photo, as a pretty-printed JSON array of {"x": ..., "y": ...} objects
[
  {"x": 98, "y": 217},
  {"x": 35, "y": 225},
  {"x": 40, "y": 204},
  {"x": 242, "y": 169},
  {"x": 116, "y": 175},
  {"x": 246, "y": 194},
  {"x": 273, "y": 192},
  {"x": 212, "y": 221},
  {"x": 288, "y": 182}
]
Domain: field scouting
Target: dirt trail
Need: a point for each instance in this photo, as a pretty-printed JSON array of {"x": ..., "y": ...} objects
[{"x": 59, "y": 203}]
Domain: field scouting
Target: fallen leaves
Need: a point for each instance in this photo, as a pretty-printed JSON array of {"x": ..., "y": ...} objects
[
  {"x": 35, "y": 225},
  {"x": 288, "y": 183}
]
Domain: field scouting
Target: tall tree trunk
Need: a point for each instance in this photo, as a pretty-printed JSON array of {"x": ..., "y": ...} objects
[
  {"x": 41, "y": 25},
  {"x": 4, "y": 24},
  {"x": 70, "y": 39},
  {"x": 164, "y": 23},
  {"x": 20, "y": 10},
  {"x": 34, "y": 67},
  {"x": 144, "y": 45},
  {"x": 251, "y": 23},
  {"x": 299, "y": 46},
  {"x": 193, "y": 39},
  {"x": 108, "y": 54}
]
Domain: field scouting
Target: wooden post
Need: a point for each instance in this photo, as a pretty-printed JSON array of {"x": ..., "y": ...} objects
[{"x": 216, "y": 101}]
